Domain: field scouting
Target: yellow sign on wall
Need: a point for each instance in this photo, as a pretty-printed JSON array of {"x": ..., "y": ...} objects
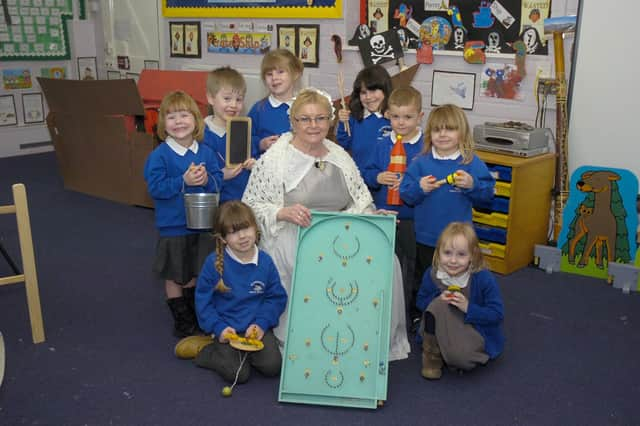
[{"x": 206, "y": 9}]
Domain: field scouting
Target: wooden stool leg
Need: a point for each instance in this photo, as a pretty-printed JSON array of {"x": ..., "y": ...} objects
[{"x": 28, "y": 262}]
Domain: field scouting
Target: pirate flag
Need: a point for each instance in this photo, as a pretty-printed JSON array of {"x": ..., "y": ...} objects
[
  {"x": 380, "y": 48},
  {"x": 363, "y": 32}
]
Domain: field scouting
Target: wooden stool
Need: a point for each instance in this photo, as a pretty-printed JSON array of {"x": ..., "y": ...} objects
[{"x": 29, "y": 277}]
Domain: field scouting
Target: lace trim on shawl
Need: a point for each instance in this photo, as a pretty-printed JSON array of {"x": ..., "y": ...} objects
[{"x": 265, "y": 189}]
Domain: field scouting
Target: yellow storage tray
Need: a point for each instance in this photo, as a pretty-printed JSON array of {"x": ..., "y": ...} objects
[
  {"x": 492, "y": 249},
  {"x": 492, "y": 219},
  {"x": 503, "y": 189}
]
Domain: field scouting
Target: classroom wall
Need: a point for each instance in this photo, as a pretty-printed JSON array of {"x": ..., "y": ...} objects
[
  {"x": 485, "y": 109},
  {"x": 97, "y": 29},
  {"x": 604, "y": 108}
]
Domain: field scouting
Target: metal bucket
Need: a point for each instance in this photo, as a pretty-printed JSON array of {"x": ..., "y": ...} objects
[{"x": 200, "y": 208}]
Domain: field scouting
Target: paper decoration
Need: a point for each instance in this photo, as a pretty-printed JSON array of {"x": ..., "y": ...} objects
[{"x": 381, "y": 48}]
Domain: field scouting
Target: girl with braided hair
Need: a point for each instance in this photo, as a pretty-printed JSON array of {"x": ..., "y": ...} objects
[{"x": 238, "y": 292}]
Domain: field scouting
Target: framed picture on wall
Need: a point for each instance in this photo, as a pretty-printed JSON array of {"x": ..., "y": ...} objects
[
  {"x": 456, "y": 88},
  {"x": 176, "y": 39},
  {"x": 32, "y": 108},
  {"x": 287, "y": 38},
  {"x": 87, "y": 68},
  {"x": 8, "y": 116},
  {"x": 113, "y": 75},
  {"x": 192, "y": 40},
  {"x": 308, "y": 37},
  {"x": 133, "y": 75},
  {"x": 151, "y": 65}
]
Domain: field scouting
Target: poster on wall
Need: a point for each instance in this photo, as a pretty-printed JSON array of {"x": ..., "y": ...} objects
[
  {"x": 287, "y": 38},
  {"x": 36, "y": 29},
  {"x": 249, "y": 43},
  {"x": 456, "y": 88},
  {"x": 16, "y": 78},
  {"x": 302, "y": 41},
  {"x": 58, "y": 73},
  {"x": 87, "y": 68},
  {"x": 448, "y": 25},
  {"x": 306, "y": 9},
  {"x": 501, "y": 81},
  {"x": 192, "y": 40},
  {"x": 8, "y": 116},
  {"x": 308, "y": 50},
  {"x": 32, "y": 108}
]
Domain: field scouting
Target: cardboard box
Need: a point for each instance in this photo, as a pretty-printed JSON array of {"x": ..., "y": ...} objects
[{"x": 99, "y": 150}]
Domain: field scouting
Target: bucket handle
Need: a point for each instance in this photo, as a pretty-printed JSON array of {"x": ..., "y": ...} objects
[{"x": 214, "y": 181}]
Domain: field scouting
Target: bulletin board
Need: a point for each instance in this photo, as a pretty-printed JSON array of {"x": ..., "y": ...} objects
[
  {"x": 451, "y": 23},
  {"x": 319, "y": 9},
  {"x": 36, "y": 29}
]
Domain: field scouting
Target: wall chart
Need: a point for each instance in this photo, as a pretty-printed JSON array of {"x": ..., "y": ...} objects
[{"x": 35, "y": 29}]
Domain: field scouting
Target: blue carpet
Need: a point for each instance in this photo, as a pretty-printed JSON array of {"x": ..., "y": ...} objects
[{"x": 571, "y": 355}]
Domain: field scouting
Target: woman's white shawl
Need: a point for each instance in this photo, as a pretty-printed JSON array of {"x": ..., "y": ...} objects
[{"x": 265, "y": 189}]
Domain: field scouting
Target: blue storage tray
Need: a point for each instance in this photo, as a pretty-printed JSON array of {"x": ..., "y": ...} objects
[
  {"x": 500, "y": 172},
  {"x": 490, "y": 233},
  {"x": 337, "y": 344},
  {"x": 497, "y": 204}
]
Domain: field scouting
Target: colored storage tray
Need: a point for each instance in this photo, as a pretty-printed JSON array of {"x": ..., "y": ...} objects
[
  {"x": 493, "y": 218},
  {"x": 337, "y": 344},
  {"x": 500, "y": 172},
  {"x": 498, "y": 204},
  {"x": 490, "y": 233},
  {"x": 503, "y": 189},
  {"x": 492, "y": 249}
]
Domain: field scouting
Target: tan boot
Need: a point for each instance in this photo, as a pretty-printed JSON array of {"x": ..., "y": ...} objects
[
  {"x": 431, "y": 358},
  {"x": 190, "y": 346}
]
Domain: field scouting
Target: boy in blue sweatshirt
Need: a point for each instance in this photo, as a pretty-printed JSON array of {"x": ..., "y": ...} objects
[
  {"x": 405, "y": 114},
  {"x": 225, "y": 94}
]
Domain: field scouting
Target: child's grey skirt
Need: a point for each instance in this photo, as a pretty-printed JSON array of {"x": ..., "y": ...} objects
[{"x": 180, "y": 258}]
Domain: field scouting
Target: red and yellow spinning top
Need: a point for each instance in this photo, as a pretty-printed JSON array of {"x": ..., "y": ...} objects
[{"x": 398, "y": 165}]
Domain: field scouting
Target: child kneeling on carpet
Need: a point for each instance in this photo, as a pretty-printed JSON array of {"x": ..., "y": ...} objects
[
  {"x": 239, "y": 297},
  {"x": 463, "y": 309}
]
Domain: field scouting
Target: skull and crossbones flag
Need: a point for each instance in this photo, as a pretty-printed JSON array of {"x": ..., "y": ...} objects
[{"x": 380, "y": 48}]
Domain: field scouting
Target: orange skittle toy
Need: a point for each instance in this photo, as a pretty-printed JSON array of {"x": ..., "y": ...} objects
[{"x": 398, "y": 165}]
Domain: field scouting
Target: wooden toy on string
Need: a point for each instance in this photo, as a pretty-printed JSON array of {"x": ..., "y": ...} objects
[{"x": 247, "y": 345}]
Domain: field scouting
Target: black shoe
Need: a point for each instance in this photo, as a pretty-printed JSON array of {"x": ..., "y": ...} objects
[{"x": 185, "y": 323}]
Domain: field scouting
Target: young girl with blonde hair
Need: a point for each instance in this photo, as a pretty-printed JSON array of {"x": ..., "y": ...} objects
[
  {"x": 462, "y": 305},
  {"x": 177, "y": 166}
]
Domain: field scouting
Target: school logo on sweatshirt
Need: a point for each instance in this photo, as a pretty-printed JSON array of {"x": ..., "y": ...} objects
[{"x": 257, "y": 287}]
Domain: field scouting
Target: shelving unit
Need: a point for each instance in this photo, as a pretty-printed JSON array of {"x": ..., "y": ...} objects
[{"x": 519, "y": 218}]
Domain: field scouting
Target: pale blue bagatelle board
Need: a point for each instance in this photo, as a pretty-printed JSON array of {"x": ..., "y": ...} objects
[{"x": 337, "y": 344}]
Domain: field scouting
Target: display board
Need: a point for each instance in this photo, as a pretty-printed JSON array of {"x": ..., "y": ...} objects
[
  {"x": 317, "y": 9},
  {"x": 448, "y": 25},
  {"x": 337, "y": 344},
  {"x": 35, "y": 29}
]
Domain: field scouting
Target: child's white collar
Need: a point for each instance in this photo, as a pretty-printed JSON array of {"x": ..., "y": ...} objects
[
  {"x": 276, "y": 102},
  {"x": 179, "y": 149},
  {"x": 437, "y": 156},
  {"x": 367, "y": 113},
  {"x": 219, "y": 130},
  {"x": 411, "y": 141},
  {"x": 253, "y": 260},
  {"x": 461, "y": 280}
]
